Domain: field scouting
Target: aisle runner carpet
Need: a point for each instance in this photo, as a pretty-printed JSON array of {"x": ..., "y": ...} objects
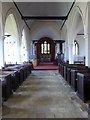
[{"x": 46, "y": 66}]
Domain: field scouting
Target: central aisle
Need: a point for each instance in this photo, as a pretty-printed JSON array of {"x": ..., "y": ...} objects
[{"x": 44, "y": 95}]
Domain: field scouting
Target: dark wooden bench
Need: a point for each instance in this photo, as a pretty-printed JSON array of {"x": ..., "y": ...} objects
[
  {"x": 23, "y": 71},
  {"x": 67, "y": 71},
  {"x": 15, "y": 80},
  {"x": 61, "y": 68},
  {"x": 11, "y": 77},
  {"x": 83, "y": 86},
  {"x": 89, "y": 108},
  {"x": 74, "y": 76},
  {"x": 5, "y": 78},
  {"x": 15, "y": 77}
]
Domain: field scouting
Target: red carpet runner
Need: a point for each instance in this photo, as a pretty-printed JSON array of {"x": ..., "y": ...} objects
[{"x": 46, "y": 66}]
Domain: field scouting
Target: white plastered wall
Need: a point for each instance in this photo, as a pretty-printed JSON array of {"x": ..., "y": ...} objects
[
  {"x": 75, "y": 23},
  {"x": 41, "y": 29},
  {"x": 87, "y": 34},
  {"x": 81, "y": 41}
]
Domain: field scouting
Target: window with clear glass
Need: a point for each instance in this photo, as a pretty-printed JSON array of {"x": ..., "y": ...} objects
[
  {"x": 75, "y": 48},
  {"x": 10, "y": 50}
]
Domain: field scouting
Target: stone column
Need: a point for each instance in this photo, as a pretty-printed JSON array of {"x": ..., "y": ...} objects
[
  {"x": 71, "y": 54},
  {"x": 1, "y": 52},
  {"x": 87, "y": 49},
  {"x": 1, "y": 39},
  {"x": 87, "y": 35},
  {"x": 58, "y": 48},
  {"x": 18, "y": 47},
  {"x": 66, "y": 54}
]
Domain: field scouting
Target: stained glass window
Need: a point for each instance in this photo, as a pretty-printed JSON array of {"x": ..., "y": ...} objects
[{"x": 45, "y": 48}]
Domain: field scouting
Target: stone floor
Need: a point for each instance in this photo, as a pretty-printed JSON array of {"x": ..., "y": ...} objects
[{"x": 44, "y": 94}]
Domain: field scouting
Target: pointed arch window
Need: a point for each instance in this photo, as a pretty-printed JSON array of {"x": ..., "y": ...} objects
[
  {"x": 45, "y": 48},
  {"x": 75, "y": 48}
]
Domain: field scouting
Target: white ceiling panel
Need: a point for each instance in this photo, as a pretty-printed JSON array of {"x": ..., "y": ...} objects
[{"x": 44, "y": 8}]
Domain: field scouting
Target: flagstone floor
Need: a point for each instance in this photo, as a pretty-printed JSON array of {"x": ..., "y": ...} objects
[{"x": 44, "y": 94}]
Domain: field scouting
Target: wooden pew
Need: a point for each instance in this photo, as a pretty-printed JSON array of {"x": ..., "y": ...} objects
[
  {"x": 22, "y": 71},
  {"x": 16, "y": 76},
  {"x": 66, "y": 70},
  {"x": 61, "y": 68},
  {"x": 5, "y": 78},
  {"x": 72, "y": 66},
  {"x": 15, "y": 81},
  {"x": 12, "y": 77},
  {"x": 74, "y": 76},
  {"x": 83, "y": 86},
  {"x": 89, "y": 109}
]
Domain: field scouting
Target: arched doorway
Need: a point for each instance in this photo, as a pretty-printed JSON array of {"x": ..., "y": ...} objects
[
  {"x": 45, "y": 50},
  {"x": 11, "y": 43}
]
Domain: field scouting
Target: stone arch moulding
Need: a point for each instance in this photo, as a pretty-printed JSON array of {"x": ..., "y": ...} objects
[
  {"x": 13, "y": 40},
  {"x": 76, "y": 13},
  {"x": 13, "y": 12},
  {"x": 76, "y": 21}
]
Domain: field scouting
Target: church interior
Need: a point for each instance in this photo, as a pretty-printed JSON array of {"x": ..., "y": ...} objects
[{"x": 44, "y": 59}]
